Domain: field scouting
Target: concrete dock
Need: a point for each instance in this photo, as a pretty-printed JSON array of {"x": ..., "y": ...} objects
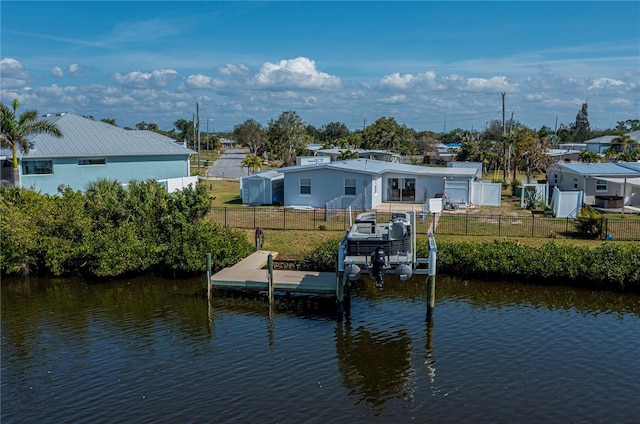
[{"x": 251, "y": 274}]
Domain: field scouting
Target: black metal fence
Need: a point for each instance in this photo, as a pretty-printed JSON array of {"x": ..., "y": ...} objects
[{"x": 466, "y": 224}]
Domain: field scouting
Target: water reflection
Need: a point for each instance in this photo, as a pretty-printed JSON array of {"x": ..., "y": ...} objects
[
  {"x": 375, "y": 365},
  {"x": 98, "y": 346}
]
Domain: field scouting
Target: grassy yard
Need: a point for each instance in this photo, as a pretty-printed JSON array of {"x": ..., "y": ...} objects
[{"x": 295, "y": 244}]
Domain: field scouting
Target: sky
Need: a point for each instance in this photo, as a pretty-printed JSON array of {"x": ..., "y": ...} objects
[{"x": 431, "y": 65}]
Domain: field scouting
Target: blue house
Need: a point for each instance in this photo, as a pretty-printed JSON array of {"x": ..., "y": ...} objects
[
  {"x": 91, "y": 150},
  {"x": 361, "y": 183}
]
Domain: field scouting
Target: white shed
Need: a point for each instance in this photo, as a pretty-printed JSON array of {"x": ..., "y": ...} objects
[{"x": 264, "y": 188}]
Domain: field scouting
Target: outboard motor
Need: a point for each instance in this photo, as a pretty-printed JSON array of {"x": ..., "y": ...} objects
[{"x": 378, "y": 260}]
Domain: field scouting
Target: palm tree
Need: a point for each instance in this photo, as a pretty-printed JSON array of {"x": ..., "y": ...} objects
[
  {"x": 587, "y": 156},
  {"x": 347, "y": 154},
  {"x": 15, "y": 131},
  {"x": 622, "y": 143},
  {"x": 610, "y": 153},
  {"x": 252, "y": 163}
]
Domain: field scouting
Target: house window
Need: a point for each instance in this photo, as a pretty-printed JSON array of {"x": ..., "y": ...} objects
[
  {"x": 575, "y": 183},
  {"x": 37, "y": 167},
  {"x": 83, "y": 162},
  {"x": 305, "y": 185},
  {"x": 349, "y": 187},
  {"x": 555, "y": 179},
  {"x": 601, "y": 185}
]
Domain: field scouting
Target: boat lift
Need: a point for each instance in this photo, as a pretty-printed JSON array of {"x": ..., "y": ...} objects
[{"x": 379, "y": 249}]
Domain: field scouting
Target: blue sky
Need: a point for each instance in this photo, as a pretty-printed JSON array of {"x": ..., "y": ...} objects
[{"x": 430, "y": 65}]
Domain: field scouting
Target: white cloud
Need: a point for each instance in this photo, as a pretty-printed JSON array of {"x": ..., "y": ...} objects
[
  {"x": 137, "y": 79},
  {"x": 299, "y": 73},
  {"x": 599, "y": 83},
  {"x": 426, "y": 80},
  {"x": 233, "y": 70},
  {"x": 75, "y": 70},
  {"x": 398, "y": 98},
  {"x": 56, "y": 71},
  {"x": 398, "y": 81},
  {"x": 200, "y": 81},
  {"x": 13, "y": 74},
  {"x": 618, "y": 101},
  {"x": 484, "y": 84}
]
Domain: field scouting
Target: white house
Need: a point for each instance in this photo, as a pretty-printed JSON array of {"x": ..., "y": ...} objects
[
  {"x": 91, "y": 150},
  {"x": 365, "y": 183},
  {"x": 608, "y": 185},
  {"x": 382, "y": 155}
]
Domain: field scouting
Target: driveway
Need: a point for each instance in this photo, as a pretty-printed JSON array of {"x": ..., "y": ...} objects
[{"x": 228, "y": 165}]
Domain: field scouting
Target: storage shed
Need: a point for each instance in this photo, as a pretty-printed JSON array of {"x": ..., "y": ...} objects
[{"x": 264, "y": 188}]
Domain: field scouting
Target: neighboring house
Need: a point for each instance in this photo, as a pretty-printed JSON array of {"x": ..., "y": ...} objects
[
  {"x": 381, "y": 155},
  {"x": 601, "y": 144},
  {"x": 90, "y": 150},
  {"x": 445, "y": 153},
  {"x": 365, "y": 183},
  {"x": 563, "y": 155},
  {"x": 608, "y": 185},
  {"x": 228, "y": 143}
]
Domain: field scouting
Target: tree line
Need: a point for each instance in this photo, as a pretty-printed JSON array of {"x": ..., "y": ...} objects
[{"x": 509, "y": 146}]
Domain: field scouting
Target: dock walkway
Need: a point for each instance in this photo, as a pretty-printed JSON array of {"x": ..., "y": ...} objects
[{"x": 251, "y": 274}]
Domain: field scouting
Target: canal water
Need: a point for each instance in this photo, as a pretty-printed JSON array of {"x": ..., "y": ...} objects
[{"x": 151, "y": 350}]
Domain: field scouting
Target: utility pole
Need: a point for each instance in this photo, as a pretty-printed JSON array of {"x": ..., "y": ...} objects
[
  {"x": 444, "y": 128},
  {"x": 208, "y": 135},
  {"x": 198, "y": 131},
  {"x": 504, "y": 141}
]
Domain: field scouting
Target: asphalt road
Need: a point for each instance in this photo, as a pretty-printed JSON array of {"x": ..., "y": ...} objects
[{"x": 228, "y": 165}]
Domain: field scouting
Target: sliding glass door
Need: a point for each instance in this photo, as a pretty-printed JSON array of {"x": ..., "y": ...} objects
[{"x": 401, "y": 190}]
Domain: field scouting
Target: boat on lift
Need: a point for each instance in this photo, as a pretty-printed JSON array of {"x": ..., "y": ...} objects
[{"x": 379, "y": 248}]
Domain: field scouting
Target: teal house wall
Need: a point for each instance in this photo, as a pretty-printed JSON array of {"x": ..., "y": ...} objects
[{"x": 91, "y": 150}]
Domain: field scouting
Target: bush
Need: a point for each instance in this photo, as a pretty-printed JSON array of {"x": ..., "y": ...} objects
[
  {"x": 324, "y": 256},
  {"x": 588, "y": 223},
  {"x": 608, "y": 266},
  {"x": 110, "y": 231}
]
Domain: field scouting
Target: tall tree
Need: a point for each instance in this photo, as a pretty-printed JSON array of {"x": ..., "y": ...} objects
[
  {"x": 385, "y": 133},
  {"x": 581, "y": 127},
  {"x": 628, "y": 126},
  {"x": 313, "y": 132},
  {"x": 15, "y": 131},
  {"x": 529, "y": 152},
  {"x": 250, "y": 134},
  {"x": 287, "y": 137},
  {"x": 333, "y": 131},
  {"x": 185, "y": 129}
]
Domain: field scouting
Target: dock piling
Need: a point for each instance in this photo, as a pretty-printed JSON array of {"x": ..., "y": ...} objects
[
  {"x": 431, "y": 279},
  {"x": 208, "y": 275},
  {"x": 270, "y": 276}
]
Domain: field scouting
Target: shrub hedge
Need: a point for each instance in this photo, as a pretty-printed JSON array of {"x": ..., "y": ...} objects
[
  {"x": 109, "y": 231},
  {"x": 608, "y": 266}
]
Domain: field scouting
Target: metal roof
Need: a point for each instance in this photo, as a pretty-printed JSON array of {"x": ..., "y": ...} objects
[
  {"x": 602, "y": 168},
  {"x": 83, "y": 137},
  {"x": 370, "y": 166}
]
